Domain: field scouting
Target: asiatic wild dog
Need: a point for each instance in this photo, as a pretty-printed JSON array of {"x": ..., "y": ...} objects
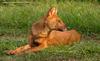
[
  {"x": 42, "y": 28},
  {"x": 54, "y": 38}
]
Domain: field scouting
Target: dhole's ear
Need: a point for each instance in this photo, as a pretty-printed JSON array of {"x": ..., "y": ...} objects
[{"x": 52, "y": 11}]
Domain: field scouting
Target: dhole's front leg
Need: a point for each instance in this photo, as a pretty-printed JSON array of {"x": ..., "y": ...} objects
[
  {"x": 31, "y": 39},
  {"x": 19, "y": 50},
  {"x": 27, "y": 48},
  {"x": 42, "y": 45}
]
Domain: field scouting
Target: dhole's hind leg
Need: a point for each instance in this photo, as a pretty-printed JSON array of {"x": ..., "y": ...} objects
[{"x": 19, "y": 50}]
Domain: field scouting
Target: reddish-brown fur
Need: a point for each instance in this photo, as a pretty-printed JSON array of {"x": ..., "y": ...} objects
[
  {"x": 49, "y": 31},
  {"x": 55, "y": 38},
  {"x": 43, "y": 27}
]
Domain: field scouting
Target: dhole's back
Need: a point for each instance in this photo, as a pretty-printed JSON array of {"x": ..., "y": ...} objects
[{"x": 66, "y": 37}]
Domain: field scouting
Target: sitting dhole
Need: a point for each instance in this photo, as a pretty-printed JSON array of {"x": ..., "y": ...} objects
[{"x": 54, "y": 38}]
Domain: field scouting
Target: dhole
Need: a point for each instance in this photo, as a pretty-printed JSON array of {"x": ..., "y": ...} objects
[
  {"x": 42, "y": 28},
  {"x": 54, "y": 38}
]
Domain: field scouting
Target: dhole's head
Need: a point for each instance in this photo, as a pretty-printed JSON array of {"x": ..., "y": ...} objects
[{"x": 53, "y": 21}]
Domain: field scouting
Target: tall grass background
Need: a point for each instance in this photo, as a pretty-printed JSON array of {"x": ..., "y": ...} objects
[
  {"x": 17, "y": 16},
  {"x": 16, "y": 19}
]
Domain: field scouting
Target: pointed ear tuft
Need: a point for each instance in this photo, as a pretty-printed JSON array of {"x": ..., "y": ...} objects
[{"x": 52, "y": 11}]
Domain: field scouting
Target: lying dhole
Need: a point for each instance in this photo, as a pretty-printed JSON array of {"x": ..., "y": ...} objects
[{"x": 54, "y": 38}]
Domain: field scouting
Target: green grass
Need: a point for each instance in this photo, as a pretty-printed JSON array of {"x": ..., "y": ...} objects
[
  {"x": 16, "y": 20},
  {"x": 83, "y": 16},
  {"x": 86, "y": 50}
]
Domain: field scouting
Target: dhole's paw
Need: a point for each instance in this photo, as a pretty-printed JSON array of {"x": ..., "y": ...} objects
[{"x": 11, "y": 52}]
